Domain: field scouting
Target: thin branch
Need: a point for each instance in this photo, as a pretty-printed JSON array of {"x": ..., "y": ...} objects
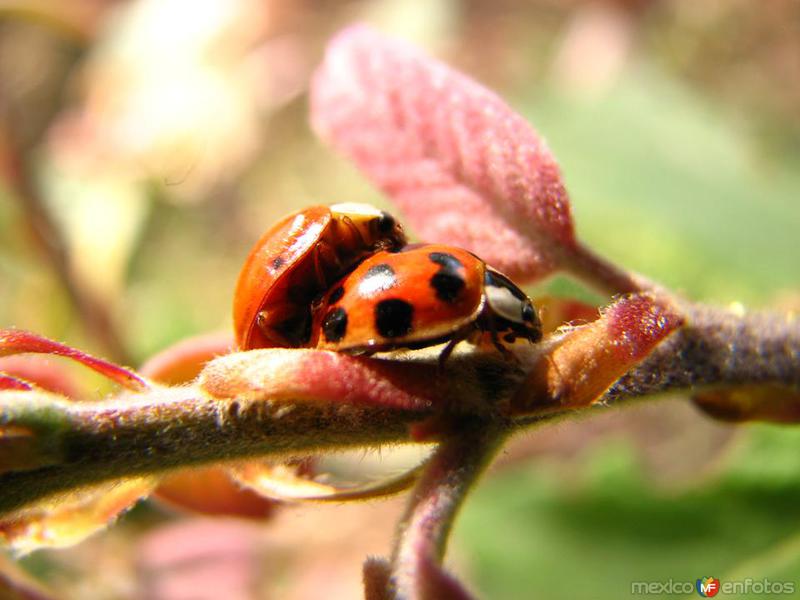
[
  {"x": 168, "y": 428},
  {"x": 22, "y": 142},
  {"x": 93, "y": 311},
  {"x": 600, "y": 273},
  {"x": 718, "y": 347},
  {"x": 423, "y": 533},
  {"x": 715, "y": 349}
]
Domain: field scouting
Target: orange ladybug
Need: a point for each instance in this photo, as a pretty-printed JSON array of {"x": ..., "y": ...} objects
[
  {"x": 295, "y": 261},
  {"x": 421, "y": 296}
]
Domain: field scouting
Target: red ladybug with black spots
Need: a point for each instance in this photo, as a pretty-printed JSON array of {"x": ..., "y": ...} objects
[
  {"x": 420, "y": 296},
  {"x": 296, "y": 261}
]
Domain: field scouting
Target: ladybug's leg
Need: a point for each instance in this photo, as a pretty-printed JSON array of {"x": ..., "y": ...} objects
[
  {"x": 507, "y": 354},
  {"x": 458, "y": 337},
  {"x": 446, "y": 352},
  {"x": 269, "y": 322},
  {"x": 489, "y": 325},
  {"x": 325, "y": 260}
]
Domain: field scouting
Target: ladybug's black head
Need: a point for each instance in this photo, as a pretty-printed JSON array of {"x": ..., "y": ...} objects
[
  {"x": 511, "y": 308},
  {"x": 390, "y": 232}
]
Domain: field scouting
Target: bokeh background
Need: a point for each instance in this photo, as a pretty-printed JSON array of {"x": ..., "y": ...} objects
[{"x": 146, "y": 144}]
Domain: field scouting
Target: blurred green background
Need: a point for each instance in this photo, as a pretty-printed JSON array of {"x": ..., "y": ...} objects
[{"x": 160, "y": 138}]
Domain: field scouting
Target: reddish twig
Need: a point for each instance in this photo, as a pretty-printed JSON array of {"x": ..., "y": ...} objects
[
  {"x": 424, "y": 531},
  {"x": 598, "y": 272},
  {"x": 718, "y": 347}
]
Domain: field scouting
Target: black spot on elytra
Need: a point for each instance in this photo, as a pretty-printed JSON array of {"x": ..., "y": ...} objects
[
  {"x": 447, "y": 282},
  {"x": 448, "y": 262},
  {"x": 336, "y": 295},
  {"x": 447, "y": 286},
  {"x": 278, "y": 262},
  {"x": 393, "y": 318},
  {"x": 335, "y": 325}
]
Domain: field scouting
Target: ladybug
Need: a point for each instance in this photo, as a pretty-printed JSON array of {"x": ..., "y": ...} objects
[
  {"x": 296, "y": 261},
  {"x": 423, "y": 295}
]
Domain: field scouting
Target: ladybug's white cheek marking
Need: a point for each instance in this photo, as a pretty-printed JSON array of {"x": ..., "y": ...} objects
[{"x": 504, "y": 303}]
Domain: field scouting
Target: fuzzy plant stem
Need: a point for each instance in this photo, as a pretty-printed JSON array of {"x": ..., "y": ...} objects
[
  {"x": 718, "y": 347},
  {"x": 422, "y": 535},
  {"x": 165, "y": 429}
]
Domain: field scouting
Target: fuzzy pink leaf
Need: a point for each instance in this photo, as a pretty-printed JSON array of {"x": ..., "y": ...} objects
[
  {"x": 17, "y": 341},
  {"x": 583, "y": 363},
  {"x": 39, "y": 372},
  {"x": 319, "y": 376},
  {"x": 9, "y": 382},
  {"x": 66, "y": 519},
  {"x": 183, "y": 361},
  {"x": 463, "y": 166}
]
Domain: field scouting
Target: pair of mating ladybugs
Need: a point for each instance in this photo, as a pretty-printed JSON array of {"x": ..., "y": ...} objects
[{"x": 343, "y": 278}]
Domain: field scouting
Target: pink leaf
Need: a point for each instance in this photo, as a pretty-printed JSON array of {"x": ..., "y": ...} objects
[
  {"x": 65, "y": 519},
  {"x": 203, "y": 559},
  {"x": 17, "y": 341},
  {"x": 9, "y": 382},
  {"x": 582, "y": 364},
  {"x": 463, "y": 167},
  {"x": 39, "y": 372},
  {"x": 318, "y": 376},
  {"x": 181, "y": 362}
]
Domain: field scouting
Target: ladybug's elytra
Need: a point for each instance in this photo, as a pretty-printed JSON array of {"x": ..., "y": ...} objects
[
  {"x": 421, "y": 296},
  {"x": 296, "y": 261}
]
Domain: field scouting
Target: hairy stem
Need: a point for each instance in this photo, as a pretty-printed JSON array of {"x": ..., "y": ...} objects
[
  {"x": 424, "y": 530},
  {"x": 165, "y": 429},
  {"x": 602, "y": 274},
  {"x": 718, "y": 347}
]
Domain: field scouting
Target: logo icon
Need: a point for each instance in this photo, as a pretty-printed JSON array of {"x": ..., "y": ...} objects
[{"x": 707, "y": 587}]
